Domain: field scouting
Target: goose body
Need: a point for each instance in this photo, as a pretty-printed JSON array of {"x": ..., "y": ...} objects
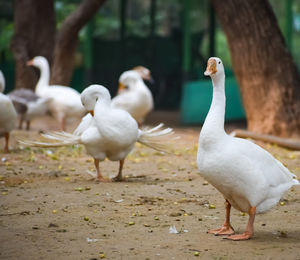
[
  {"x": 136, "y": 99},
  {"x": 8, "y": 114},
  {"x": 112, "y": 132},
  {"x": 28, "y": 105},
  {"x": 250, "y": 179},
  {"x": 106, "y": 132},
  {"x": 65, "y": 102}
]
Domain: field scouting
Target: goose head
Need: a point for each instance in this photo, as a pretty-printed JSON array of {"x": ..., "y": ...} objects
[
  {"x": 144, "y": 73},
  {"x": 38, "y": 61},
  {"x": 129, "y": 80},
  {"x": 214, "y": 68},
  {"x": 93, "y": 94}
]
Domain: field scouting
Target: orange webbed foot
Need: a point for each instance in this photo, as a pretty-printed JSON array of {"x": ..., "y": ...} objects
[
  {"x": 244, "y": 236},
  {"x": 101, "y": 179},
  {"x": 117, "y": 179},
  {"x": 223, "y": 231}
]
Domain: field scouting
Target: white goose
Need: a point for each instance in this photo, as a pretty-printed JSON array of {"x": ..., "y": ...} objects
[
  {"x": 8, "y": 114},
  {"x": 108, "y": 133},
  {"x": 65, "y": 101},
  {"x": 133, "y": 96},
  {"x": 250, "y": 179}
]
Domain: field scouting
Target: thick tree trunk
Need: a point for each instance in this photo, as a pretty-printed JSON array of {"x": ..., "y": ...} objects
[
  {"x": 267, "y": 75},
  {"x": 34, "y": 35},
  {"x": 67, "y": 40}
]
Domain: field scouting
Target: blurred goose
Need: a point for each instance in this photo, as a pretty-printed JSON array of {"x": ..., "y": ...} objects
[
  {"x": 144, "y": 73},
  {"x": 108, "y": 132},
  {"x": 8, "y": 114},
  {"x": 28, "y": 105},
  {"x": 250, "y": 179},
  {"x": 133, "y": 96},
  {"x": 65, "y": 101}
]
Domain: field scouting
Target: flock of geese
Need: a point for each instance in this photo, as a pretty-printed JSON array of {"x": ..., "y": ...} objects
[{"x": 250, "y": 179}]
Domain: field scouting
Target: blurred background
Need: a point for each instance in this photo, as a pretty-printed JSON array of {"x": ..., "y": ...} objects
[{"x": 170, "y": 37}]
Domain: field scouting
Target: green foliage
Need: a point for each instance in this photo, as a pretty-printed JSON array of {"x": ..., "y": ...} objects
[
  {"x": 62, "y": 9},
  {"x": 6, "y": 34},
  {"x": 222, "y": 48}
]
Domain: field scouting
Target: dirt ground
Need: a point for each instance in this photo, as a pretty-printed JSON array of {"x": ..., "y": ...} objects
[{"x": 51, "y": 208}]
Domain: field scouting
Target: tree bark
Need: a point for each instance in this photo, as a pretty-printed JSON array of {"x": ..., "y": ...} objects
[
  {"x": 268, "y": 78},
  {"x": 67, "y": 40},
  {"x": 34, "y": 35}
]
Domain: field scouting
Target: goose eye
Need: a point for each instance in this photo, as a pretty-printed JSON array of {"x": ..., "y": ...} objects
[
  {"x": 219, "y": 62},
  {"x": 96, "y": 99}
]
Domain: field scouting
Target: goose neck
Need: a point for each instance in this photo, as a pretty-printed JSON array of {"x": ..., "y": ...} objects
[
  {"x": 103, "y": 104},
  {"x": 44, "y": 76},
  {"x": 214, "y": 122}
]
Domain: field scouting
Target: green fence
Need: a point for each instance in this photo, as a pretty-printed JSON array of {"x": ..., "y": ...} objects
[{"x": 197, "y": 96}]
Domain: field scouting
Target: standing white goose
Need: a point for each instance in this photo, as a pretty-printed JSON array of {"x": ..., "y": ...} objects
[
  {"x": 8, "y": 114},
  {"x": 137, "y": 99},
  {"x": 250, "y": 179},
  {"x": 65, "y": 101},
  {"x": 108, "y": 133}
]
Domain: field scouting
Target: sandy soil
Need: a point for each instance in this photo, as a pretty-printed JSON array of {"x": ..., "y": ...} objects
[{"x": 52, "y": 209}]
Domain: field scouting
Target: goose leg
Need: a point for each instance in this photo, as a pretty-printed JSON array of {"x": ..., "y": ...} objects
[
  {"x": 100, "y": 178},
  {"x": 27, "y": 125},
  {"x": 21, "y": 122},
  {"x": 63, "y": 124},
  {"x": 119, "y": 176},
  {"x": 249, "y": 229},
  {"x": 227, "y": 229},
  {"x": 6, "y": 150}
]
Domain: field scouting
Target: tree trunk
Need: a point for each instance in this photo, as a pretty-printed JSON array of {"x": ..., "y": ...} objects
[
  {"x": 67, "y": 40},
  {"x": 267, "y": 75},
  {"x": 34, "y": 35}
]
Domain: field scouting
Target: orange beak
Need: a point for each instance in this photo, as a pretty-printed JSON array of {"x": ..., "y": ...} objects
[
  {"x": 121, "y": 88},
  {"x": 29, "y": 63},
  {"x": 211, "y": 67},
  {"x": 91, "y": 112}
]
